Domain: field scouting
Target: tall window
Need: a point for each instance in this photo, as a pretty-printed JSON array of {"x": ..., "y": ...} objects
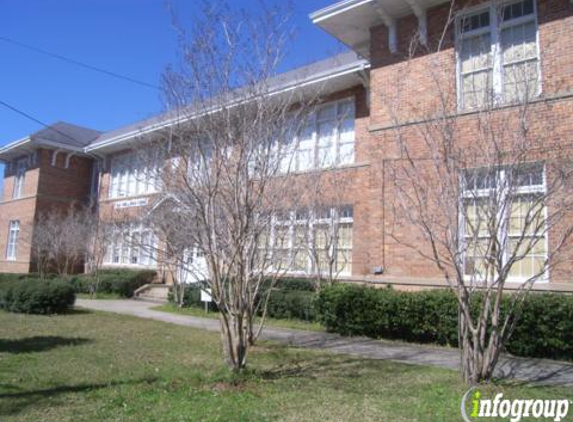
[
  {"x": 19, "y": 179},
  {"x": 326, "y": 140},
  {"x": 13, "y": 234},
  {"x": 498, "y": 57},
  {"x": 508, "y": 204},
  {"x": 132, "y": 245},
  {"x": 132, "y": 175},
  {"x": 308, "y": 242}
]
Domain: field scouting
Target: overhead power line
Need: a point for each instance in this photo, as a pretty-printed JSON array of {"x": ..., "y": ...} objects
[
  {"x": 32, "y": 118},
  {"x": 78, "y": 63}
]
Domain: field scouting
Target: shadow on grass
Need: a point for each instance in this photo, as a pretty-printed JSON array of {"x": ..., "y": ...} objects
[
  {"x": 330, "y": 366},
  {"x": 78, "y": 311},
  {"x": 15, "y": 402},
  {"x": 39, "y": 343}
]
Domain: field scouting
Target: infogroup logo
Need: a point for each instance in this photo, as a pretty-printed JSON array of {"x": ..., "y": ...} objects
[{"x": 514, "y": 410}]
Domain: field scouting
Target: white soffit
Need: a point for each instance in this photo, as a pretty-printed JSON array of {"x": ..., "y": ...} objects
[{"x": 350, "y": 20}]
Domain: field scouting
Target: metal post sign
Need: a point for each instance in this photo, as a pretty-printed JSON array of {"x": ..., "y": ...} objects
[{"x": 206, "y": 295}]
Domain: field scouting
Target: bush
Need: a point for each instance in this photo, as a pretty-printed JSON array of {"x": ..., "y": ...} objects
[
  {"x": 36, "y": 297},
  {"x": 121, "y": 281},
  {"x": 291, "y": 304},
  {"x": 192, "y": 297},
  {"x": 544, "y": 329},
  {"x": 291, "y": 298}
]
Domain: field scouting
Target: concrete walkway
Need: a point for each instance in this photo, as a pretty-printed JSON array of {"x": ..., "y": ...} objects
[{"x": 528, "y": 370}]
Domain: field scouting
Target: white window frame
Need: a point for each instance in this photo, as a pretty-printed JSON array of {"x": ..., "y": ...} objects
[
  {"x": 495, "y": 27},
  {"x": 468, "y": 194},
  {"x": 131, "y": 178},
  {"x": 19, "y": 178},
  {"x": 121, "y": 252},
  {"x": 292, "y": 151},
  {"x": 12, "y": 243},
  {"x": 290, "y": 221}
]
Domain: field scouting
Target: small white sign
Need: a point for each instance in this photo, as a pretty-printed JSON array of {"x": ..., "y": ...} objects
[
  {"x": 206, "y": 295},
  {"x": 130, "y": 203}
]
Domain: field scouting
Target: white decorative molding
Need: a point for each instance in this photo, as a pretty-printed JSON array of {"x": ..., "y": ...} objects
[
  {"x": 390, "y": 23},
  {"x": 420, "y": 13},
  {"x": 68, "y": 158},
  {"x": 55, "y": 157}
]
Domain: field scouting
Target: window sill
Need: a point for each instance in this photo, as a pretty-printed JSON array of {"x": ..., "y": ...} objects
[
  {"x": 326, "y": 169},
  {"x": 134, "y": 266}
]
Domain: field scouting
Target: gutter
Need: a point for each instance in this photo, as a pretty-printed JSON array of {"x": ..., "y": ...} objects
[{"x": 336, "y": 9}]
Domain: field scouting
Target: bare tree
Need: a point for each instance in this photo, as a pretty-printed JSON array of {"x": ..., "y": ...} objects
[
  {"x": 227, "y": 175},
  {"x": 59, "y": 240},
  {"x": 327, "y": 236},
  {"x": 492, "y": 208},
  {"x": 99, "y": 232}
]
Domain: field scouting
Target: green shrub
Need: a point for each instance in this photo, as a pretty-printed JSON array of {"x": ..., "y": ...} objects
[
  {"x": 36, "y": 297},
  {"x": 291, "y": 304},
  {"x": 291, "y": 298},
  {"x": 192, "y": 297},
  {"x": 544, "y": 328},
  {"x": 123, "y": 282},
  {"x": 298, "y": 284}
]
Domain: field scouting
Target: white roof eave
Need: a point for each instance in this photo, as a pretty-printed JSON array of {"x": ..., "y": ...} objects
[{"x": 336, "y": 73}]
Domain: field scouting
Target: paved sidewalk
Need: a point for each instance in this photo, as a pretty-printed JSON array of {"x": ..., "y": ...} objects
[{"x": 529, "y": 370}]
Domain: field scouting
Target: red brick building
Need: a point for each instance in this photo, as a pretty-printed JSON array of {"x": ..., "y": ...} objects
[{"x": 401, "y": 49}]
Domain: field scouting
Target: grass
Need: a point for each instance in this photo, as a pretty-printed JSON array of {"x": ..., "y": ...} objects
[
  {"x": 199, "y": 312},
  {"x": 89, "y": 366}
]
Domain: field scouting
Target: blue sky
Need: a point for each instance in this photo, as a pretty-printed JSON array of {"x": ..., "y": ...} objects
[{"x": 131, "y": 37}]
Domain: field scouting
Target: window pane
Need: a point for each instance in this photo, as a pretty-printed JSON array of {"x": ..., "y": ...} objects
[
  {"x": 476, "y": 53},
  {"x": 326, "y": 156},
  {"x": 326, "y": 133},
  {"x": 301, "y": 260},
  {"x": 305, "y": 149},
  {"x": 477, "y": 89},
  {"x": 304, "y": 160},
  {"x": 345, "y": 236},
  {"x": 519, "y": 42},
  {"x": 518, "y": 9},
  {"x": 520, "y": 81},
  {"x": 475, "y": 21},
  {"x": 344, "y": 262},
  {"x": 327, "y": 112}
]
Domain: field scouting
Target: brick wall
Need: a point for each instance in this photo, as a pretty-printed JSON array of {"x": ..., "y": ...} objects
[
  {"x": 46, "y": 187},
  {"x": 414, "y": 85}
]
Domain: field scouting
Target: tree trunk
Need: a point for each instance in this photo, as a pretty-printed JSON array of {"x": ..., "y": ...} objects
[{"x": 234, "y": 340}]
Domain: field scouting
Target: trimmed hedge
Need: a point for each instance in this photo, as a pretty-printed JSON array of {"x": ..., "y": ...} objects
[
  {"x": 291, "y": 304},
  {"x": 36, "y": 297},
  {"x": 121, "y": 281},
  {"x": 192, "y": 297},
  {"x": 545, "y": 327},
  {"x": 291, "y": 298}
]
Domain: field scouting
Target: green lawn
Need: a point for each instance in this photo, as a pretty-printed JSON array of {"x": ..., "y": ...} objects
[
  {"x": 89, "y": 366},
  {"x": 198, "y": 312}
]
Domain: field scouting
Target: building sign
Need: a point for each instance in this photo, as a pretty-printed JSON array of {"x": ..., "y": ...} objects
[{"x": 131, "y": 203}]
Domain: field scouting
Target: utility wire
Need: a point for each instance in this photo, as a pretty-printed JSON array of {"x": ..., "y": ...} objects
[
  {"x": 32, "y": 118},
  {"x": 78, "y": 63}
]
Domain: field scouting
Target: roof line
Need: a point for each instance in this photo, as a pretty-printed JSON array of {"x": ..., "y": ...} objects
[
  {"x": 335, "y": 9},
  {"x": 317, "y": 78},
  {"x": 15, "y": 144}
]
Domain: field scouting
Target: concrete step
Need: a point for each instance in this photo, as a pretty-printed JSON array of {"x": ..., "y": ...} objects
[{"x": 152, "y": 293}]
